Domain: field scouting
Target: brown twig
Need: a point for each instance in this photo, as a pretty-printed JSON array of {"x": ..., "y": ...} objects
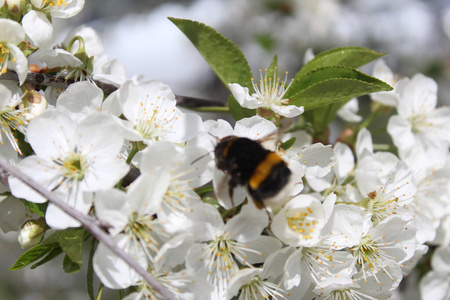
[{"x": 42, "y": 79}]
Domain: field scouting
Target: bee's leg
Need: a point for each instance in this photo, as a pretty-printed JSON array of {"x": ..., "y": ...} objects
[
  {"x": 232, "y": 184},
  {"x": 268, "y": 214},
  {"x": 230, "y": 193},
  {"x": 260, "y": 204}
]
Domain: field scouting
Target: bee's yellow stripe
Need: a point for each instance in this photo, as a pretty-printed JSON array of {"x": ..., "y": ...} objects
[{"x": 263, "y": 170}]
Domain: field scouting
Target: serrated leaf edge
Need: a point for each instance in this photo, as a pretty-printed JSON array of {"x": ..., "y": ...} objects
[
  {"x": 337, "y": 67},
  {"x": 233, "y": 45},
  {"x": 334, "y": 79}
]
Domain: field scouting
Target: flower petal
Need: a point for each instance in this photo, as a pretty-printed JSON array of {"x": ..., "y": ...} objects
[
  {"x": 20, "y": 64},
  {"x": 38, "y": 28},
  {"x": 118, "y": 275},
  {"x": 11, "y": 32},
  {"x": 288, "y": 111},
  {"x": 59, "y": 58},
  {"x": 248, "y": 224},
  {"x": 242, "y": 96}
]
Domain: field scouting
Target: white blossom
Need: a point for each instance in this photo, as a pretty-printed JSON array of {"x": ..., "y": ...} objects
[
  {"x": 269, "y": 93},
  {"x": 300, "y": 221},
  {"x": 393, "y": 196},
  {"x": 133, "y": 227},
  {"x": 421, "y": 131},
  {"x": 72, "y": 160},
  {"x": 176, "y": 211},
  {"x": 151, "y": 113},
  {"x": 385, "y": 247},
  {"x": 226, "y": 245}
]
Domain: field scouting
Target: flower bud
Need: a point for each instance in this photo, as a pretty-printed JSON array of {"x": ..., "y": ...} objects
[
  {"x": 33, "y": 103},
  {"x": 15, "y": 9},
  {"x": 32, "y": 232},
  {"x": 14, "y": 6}
]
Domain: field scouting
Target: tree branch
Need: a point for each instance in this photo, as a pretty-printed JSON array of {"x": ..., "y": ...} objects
[
  {"x": 42, "y": 79},
  {"x": 89, "y": 223}
]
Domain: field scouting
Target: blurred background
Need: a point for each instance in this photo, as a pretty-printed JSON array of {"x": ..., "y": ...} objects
[{"x": 414, "y": 33}]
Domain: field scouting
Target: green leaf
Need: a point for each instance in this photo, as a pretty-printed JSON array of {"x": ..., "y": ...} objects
[
  {"x": 320, "y": 118},
  {"x": 71, "y": 242},
  {"x": 70, "y": 266},
  {"x": 273, "y": 65},
  {"x": 353, "y": 57},
  {"x": 37, "y": 208},
  {"x": 224, "y": 57},
  {"x": 333, "y": 84},
  {"x": 32, "y": 255},
  {"x": 52, "y": 238},
  {"x": 90, "y": 270},
  {"x": 289, "y": 143},
  {"x": 54, "y": 253},
  {"x": 38, "y": 251}
]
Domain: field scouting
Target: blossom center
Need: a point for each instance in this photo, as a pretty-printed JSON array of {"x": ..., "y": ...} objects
[
  {"x": 370, "y": 254},
  {"x": 382, "y": 204},
  {"x": 147, "y": 127},
  {"x": 366, "y": 252},
  {"x": 220, "y": 256},
  {"x": 140, "y": 228},
  {"x": 271, "y": 90},
  {"x": 222, "y": 250},
  {"x": 259, "y": 289},
  {"x": 419, "y": 122},
  {"x": 75, "y": 166},
  {"x": 300, "y": 222}
]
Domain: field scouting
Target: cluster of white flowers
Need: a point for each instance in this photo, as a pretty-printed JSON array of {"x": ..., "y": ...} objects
[{"x": 352, "y": 223}]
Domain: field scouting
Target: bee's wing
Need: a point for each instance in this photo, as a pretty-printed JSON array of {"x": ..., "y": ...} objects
[{"x": 270, "y": 141}]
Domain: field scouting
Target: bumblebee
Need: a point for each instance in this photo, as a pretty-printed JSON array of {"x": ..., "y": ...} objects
[{"x": 249, "y": 164}]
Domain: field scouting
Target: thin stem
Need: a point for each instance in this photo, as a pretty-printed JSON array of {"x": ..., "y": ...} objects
[
  {"x": 100, "y": 292},
  {"x": 374, "y": 113},
  {"x": 368, "y": 120},
  {"x": 91, "y": 225},
  {"x": 202, "y": 191},
  {"x": 133, "y": 152}
]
